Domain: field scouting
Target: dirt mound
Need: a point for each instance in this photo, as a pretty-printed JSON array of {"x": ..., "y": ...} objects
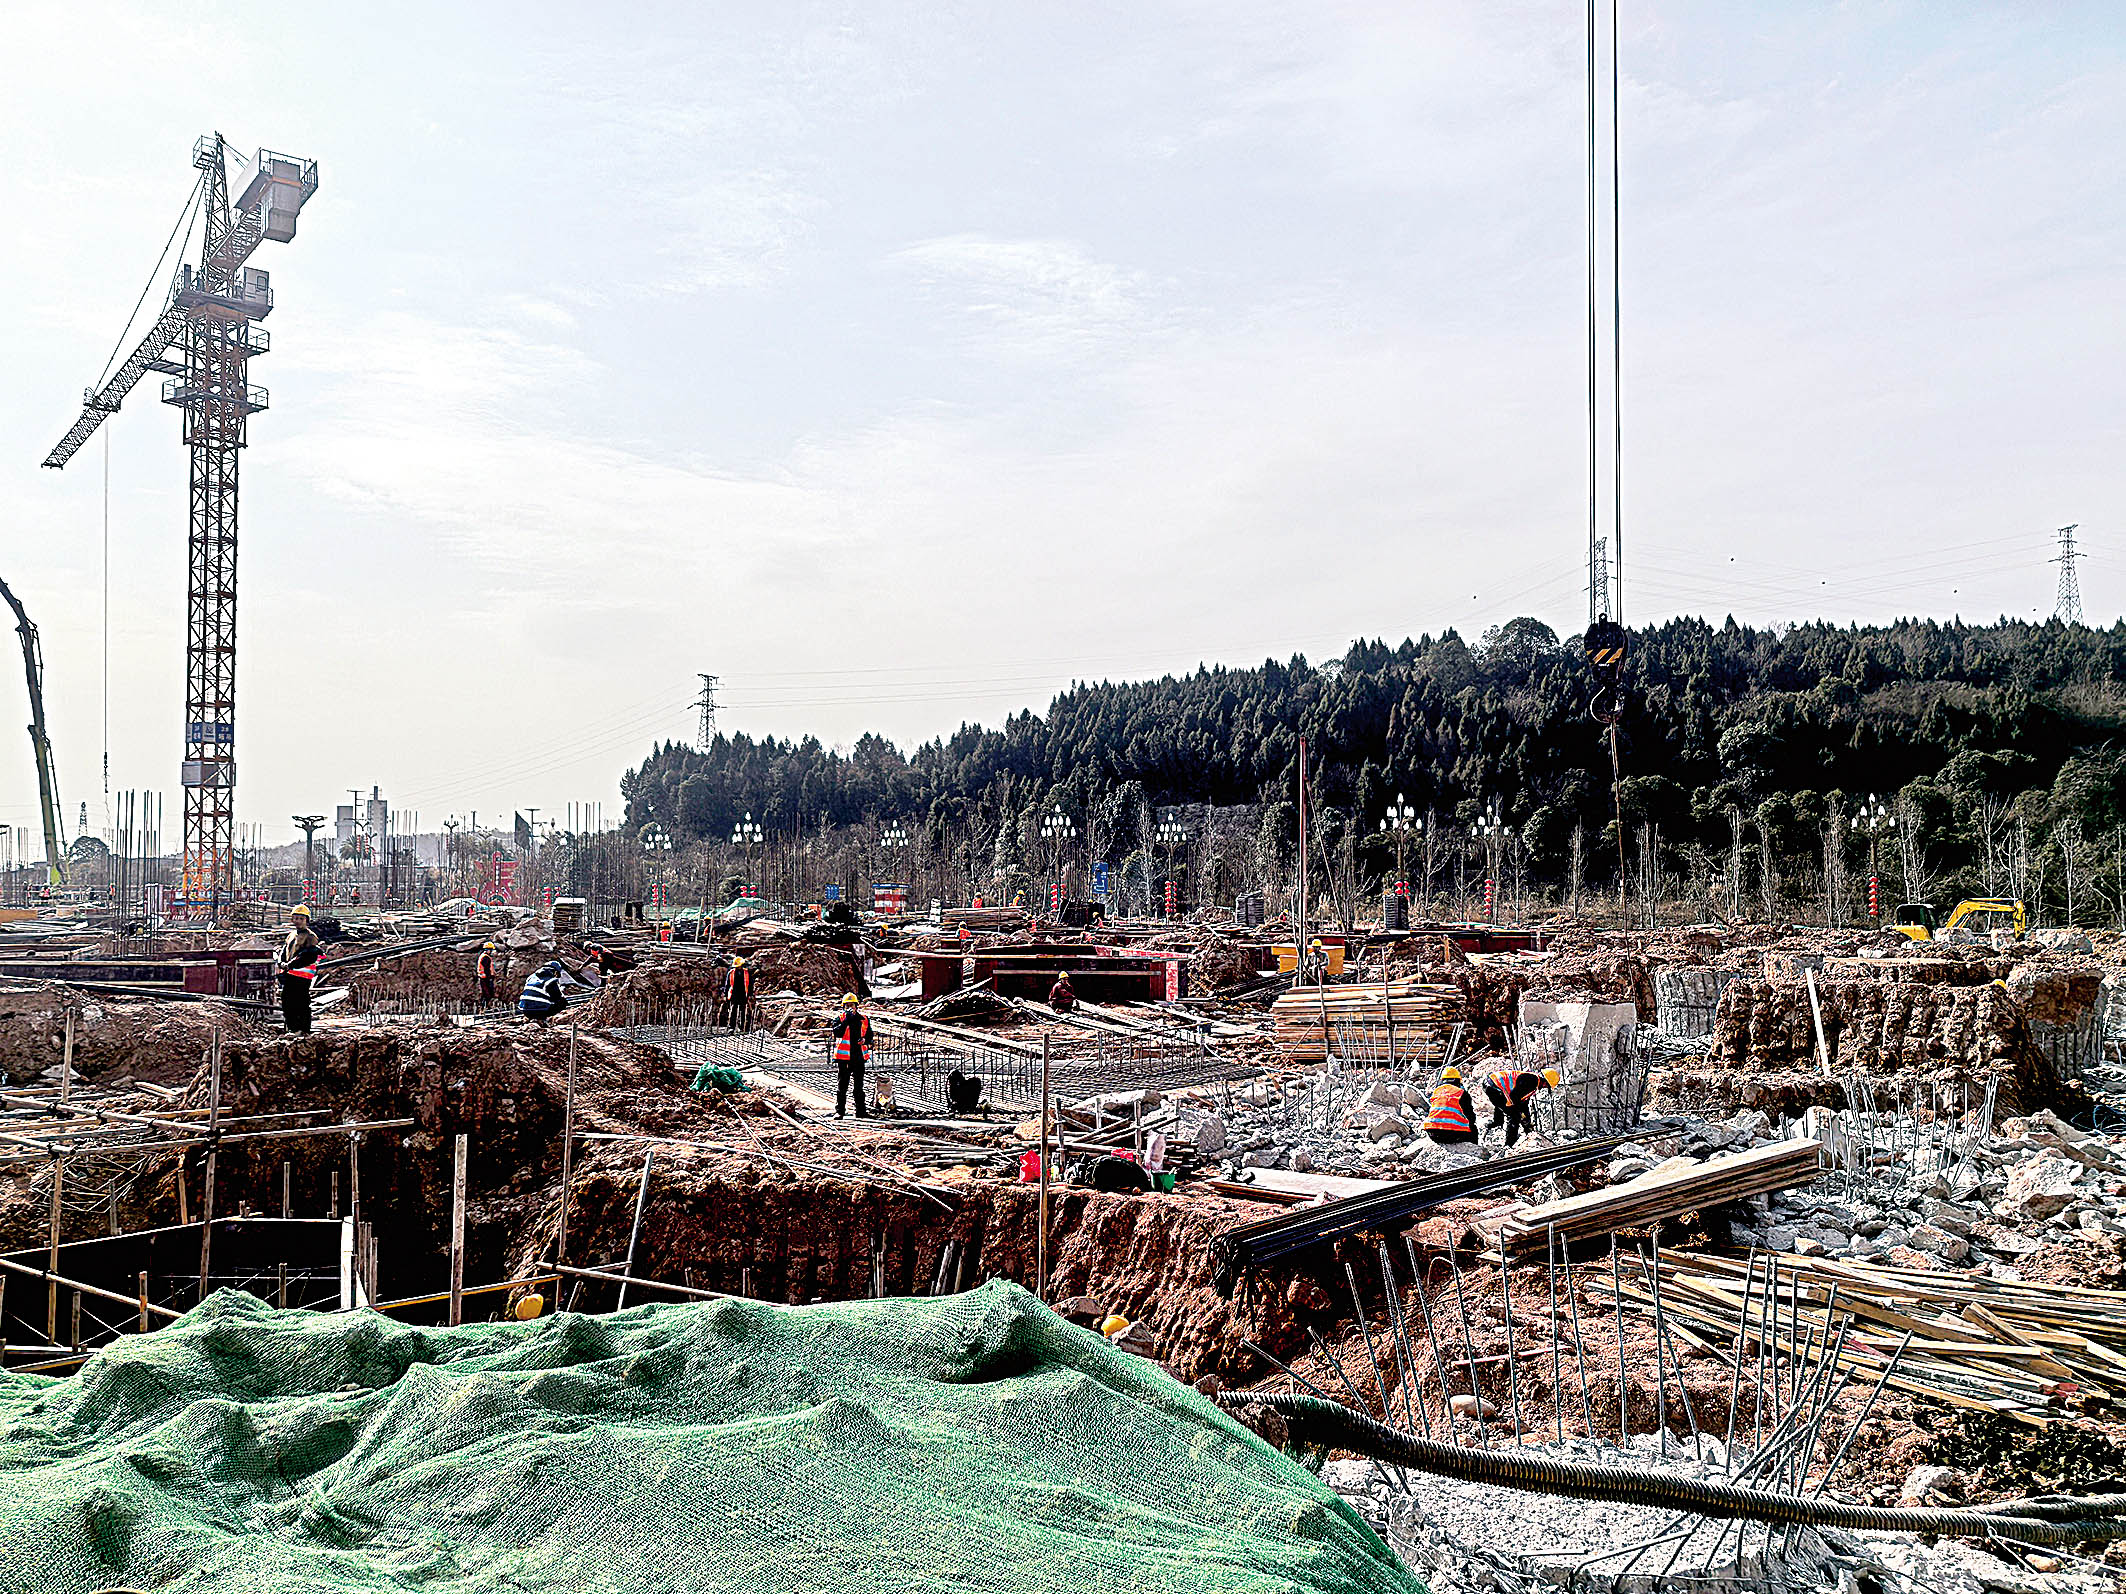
[
  {"x": 656, "y": 993},
  {"x": 1219, "y": 962},
  {"x": 439, "y": 974},
  {"x": 115, "y": 1039},
  {"x": 806, "y": 969}
]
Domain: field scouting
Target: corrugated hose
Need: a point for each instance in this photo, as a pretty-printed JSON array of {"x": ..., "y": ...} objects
[{"x": 1327, "y": 1422}]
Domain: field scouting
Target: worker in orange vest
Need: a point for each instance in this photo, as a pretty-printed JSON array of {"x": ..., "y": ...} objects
[
  {"x": 1450, "y": 1120},
  {"x": 298, "y": 970},
  {"x": 852, "y": 1045},
  {"x": 485, "y": 968},
  {"x": 737, "y": 996},
  {"x": 1510, "y": 1091}
]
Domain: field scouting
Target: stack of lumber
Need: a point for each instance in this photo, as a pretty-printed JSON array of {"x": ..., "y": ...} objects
[
  {"x": 2015, "y": 1347},
  {"x": 1666, "y": 1191},
  {"x": 991, "y": 921},
  {"x": 1422, "y": 1016}
]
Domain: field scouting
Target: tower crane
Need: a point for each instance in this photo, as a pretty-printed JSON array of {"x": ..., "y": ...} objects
[
  {"x": 40, "y": 743},
  {"x": 202, "y": 342}
]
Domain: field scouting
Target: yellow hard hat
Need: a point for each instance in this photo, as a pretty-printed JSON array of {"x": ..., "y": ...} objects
[
  {"x": 1451, "y": 1072},
  {"x": 489, "y": 947},
  {"x": 530, "y": 1307},
  {"x": 1553, "y": 1078},
  {"x": 849, "y": 1000},
  {"x": 300, "y": 911},
  {"x": 738, "y": 963},
  {"x": 1114, "y": 1325}
]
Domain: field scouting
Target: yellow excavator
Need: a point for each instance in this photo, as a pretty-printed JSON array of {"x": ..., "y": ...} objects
[
  {"x": 1915, "y": 920},
  {"x": 40, "y": 743}
]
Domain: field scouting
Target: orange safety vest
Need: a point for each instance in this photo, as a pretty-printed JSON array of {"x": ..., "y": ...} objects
[
  {"x": 841, "y": 1039},
  {"x": 1449, "y": 1109},
  {"x": 1511, "y": 1083}
]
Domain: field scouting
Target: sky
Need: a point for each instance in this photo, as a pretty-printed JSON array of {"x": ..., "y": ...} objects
[{"x": 900, "y": 364}]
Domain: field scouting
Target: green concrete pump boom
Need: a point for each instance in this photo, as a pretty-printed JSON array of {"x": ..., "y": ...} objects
[{"x": 40, "y": 743}]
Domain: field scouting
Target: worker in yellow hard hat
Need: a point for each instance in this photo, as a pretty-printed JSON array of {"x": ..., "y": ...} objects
[
  {"x": 852, "y": 1045},
  {"x": 1510, "y": 1090},
  {"x": 297, "y": 964},
  {"x": 1450, "y": 1119},
  {"x": 485, "y": 968}
]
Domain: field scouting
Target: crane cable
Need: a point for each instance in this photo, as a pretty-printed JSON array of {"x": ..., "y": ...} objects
[{"x": 183, "y": 223}]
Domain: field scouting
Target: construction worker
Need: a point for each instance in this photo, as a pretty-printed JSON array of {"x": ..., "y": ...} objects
[
  {"x": 1450, "y": 1119},
  {"x": 852, "y": 1045},
  {"x": 486, "y": 969},
  {"x": 542, "y": 996},
  {"x": 1510, "y": 1090},
  {"x": 298, "y": 969},
  {"x": 1060, "y": 996},
  {"x": 737, "y": 1008}
]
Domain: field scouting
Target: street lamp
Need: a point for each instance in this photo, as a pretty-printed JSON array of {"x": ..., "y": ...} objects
[
  {"x": 746, "y": 835},
  {"x": 1171, "y": 833},
  {"x": 1401, "y": 820},
  {"x": 1491, "y": 830},
  {"x": 1057, "y": 827},
  {"x": 894, "y": 838},
  {"x": 657, "y": 846},
  {"x": 1873, "y": 819}
]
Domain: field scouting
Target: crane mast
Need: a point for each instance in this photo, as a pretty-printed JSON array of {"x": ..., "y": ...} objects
[
  {"x": 202, "y": 342},
  {"x": 40, "y": 743}
]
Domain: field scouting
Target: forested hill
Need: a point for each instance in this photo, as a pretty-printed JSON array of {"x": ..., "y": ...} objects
[{"x": 1769, "y": 723}]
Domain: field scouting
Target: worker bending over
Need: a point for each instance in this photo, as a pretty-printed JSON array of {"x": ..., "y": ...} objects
[
  {"x": 852, "y": 1045},
  {"x": 298, "y": 969},
  {"x": 543, "y": 995},
  {"x": 1450, "y": 1119},
  {"x": 1060, "y": 995},
  {"x": 1510, "y": 1091}
]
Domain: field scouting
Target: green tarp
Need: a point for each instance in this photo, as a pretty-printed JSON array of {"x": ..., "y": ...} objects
[{"x": 970, "y": 1443}]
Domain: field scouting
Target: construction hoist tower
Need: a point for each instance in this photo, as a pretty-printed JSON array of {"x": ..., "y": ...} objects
[{"x": 202, "y": 343}]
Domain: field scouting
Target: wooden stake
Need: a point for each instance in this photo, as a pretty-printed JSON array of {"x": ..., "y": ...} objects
[
  {"x": 206, "y": 1204},
  {"x": 184, "y": 1211},
  {"x": 283, "y": 1295},
  {"x": 66, "y": 1058},
  {"x": 287, "y": 1177},
  {"x": 568, "y": 1161},
  {"x": 334, "y": 1214},
  {"x": 354, "y": 1177},
  {"x": 457, "y": 1234},
  {"x": 143, "y": 1300},
  {"x": 51, "y": 1297},
  {"x": 642, "y": 1195},
  {"x": 74, "y": 1343},
  {"x": 1040, "y": 1245}
]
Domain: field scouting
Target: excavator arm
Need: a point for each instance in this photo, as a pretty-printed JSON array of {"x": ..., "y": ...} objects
[{"x": 40, "y": 743}]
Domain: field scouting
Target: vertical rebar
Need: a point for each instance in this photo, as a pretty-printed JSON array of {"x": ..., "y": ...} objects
[
  {"x": 1513, "y": 1371},
  {"x": 1557, "y": 1390},
  {"x": 1418, "y": 1279},
  {"x": 1402, "y": 1341},
  {"x": 1616, "y": 1295},
  {"x": 1476, "y": 1390}
]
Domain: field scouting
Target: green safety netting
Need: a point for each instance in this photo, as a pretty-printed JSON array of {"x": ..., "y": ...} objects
[{"x": 970, "y": 1443}]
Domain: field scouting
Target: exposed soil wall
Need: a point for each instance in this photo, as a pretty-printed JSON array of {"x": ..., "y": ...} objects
[
  {"x": 116, "y": 1040},
  {"x": 807, "y": 1239}
]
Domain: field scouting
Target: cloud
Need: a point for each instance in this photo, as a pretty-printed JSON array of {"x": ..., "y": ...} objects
[{"x": 1033, "y": 299}]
